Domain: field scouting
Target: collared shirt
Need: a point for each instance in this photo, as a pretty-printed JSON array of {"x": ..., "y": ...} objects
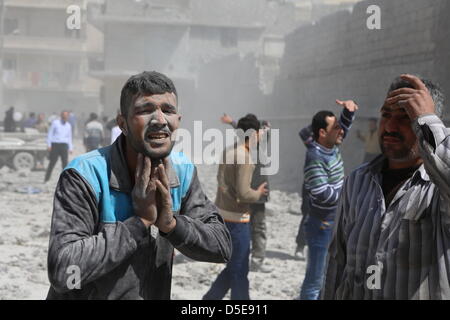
[
  {"x": 60, "y": 132},
  {"x": 115, "y": 133},
  {"x": 401, "y": 251}
]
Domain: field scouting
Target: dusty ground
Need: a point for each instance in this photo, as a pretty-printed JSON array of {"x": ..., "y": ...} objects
[{"x": 25, "y": 224}]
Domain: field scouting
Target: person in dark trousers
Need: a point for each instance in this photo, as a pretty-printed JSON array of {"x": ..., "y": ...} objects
[
  {"x": 392, "y": 235},
  {"x": 59, "y": 141},
  {"x": 324, "y": 176},
  {"x": 258, "y": 208},
  {"x": 9, "y": 124},
  {"x": 234, "y": 194},
  {"x": 120, "y": 211}
]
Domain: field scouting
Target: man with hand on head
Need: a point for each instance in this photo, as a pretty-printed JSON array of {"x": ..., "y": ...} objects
[
  {"x": 120, "y": 211},
  {"x": 392, "y": 234}
]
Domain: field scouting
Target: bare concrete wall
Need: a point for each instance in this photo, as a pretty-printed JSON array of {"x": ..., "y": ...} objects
[{"x": 340, "y": 57}]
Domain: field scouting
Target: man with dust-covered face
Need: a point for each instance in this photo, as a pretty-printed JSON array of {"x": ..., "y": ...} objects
[{"x": 120, "y": 211}]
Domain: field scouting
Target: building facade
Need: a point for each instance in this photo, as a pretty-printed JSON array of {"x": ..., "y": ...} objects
[{"x": 45, "y": 63}]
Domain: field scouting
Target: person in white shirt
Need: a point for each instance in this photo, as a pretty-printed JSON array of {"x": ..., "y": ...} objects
[
  {"x": 93, "y": 133},
  {"x": 59, "y": 141},
  {"x": 115, "y": 133}
]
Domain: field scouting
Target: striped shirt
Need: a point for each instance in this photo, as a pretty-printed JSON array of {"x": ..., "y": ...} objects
[
  {"x": 406, "y": 246},
  {"x": 324, "y": 173}
]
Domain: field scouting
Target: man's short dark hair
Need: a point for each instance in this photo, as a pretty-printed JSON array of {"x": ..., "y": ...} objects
[
  {"x": 435, "y": 90},
  {"x": 93, "y": 116},
  {"x": 319, "y": 121},
  {"x": 251, "y": 115},
  {"x": 148, "y": 83},
  {"x": 262, "y": 123},
  {"x": 247, "y": 123}
]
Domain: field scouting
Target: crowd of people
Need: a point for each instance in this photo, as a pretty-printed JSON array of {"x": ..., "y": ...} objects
[
  {"x": 13, "y": 121},
  {"x": 61, "y": 131},
  {"x": 120, "y": 211}
]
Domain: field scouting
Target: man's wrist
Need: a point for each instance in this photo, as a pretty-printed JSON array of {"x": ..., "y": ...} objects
[{"x": 167, "y": 228}]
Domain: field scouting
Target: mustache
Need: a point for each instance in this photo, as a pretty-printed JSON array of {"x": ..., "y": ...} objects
[
  {"x": 158, "y": 130},
  {"x": 393, "y": 135}
]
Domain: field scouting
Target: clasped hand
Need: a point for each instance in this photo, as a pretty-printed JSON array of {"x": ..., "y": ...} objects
[{"x": 151, "y": 197}]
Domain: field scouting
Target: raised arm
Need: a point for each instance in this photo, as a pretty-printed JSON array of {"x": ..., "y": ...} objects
[
  {"x": 434, "y": 147},
  {"x": 347, "y": 114},
  {"x": 433, "y": 136},
  {"x": 228, "y": 120}
]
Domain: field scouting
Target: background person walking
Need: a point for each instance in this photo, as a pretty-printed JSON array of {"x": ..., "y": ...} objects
[{"x": 59, "y": 140}]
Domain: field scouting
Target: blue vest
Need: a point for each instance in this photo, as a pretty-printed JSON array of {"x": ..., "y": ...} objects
[{"x": 115, "y": 205}]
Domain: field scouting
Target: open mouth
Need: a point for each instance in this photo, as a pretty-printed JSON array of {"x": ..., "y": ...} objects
[
  {"x": 391, "y": 140},
  {"x": 157, "y": 137}
]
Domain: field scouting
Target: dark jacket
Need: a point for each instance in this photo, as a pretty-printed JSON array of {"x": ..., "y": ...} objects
[{"x": 94, "y": 229}]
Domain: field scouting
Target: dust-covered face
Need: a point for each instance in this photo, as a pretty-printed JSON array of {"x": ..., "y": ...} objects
[{"x": 151, "y": 121}]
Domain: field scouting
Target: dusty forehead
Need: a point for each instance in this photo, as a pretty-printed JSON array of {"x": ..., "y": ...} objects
[{"x": 163, "y": 97}]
